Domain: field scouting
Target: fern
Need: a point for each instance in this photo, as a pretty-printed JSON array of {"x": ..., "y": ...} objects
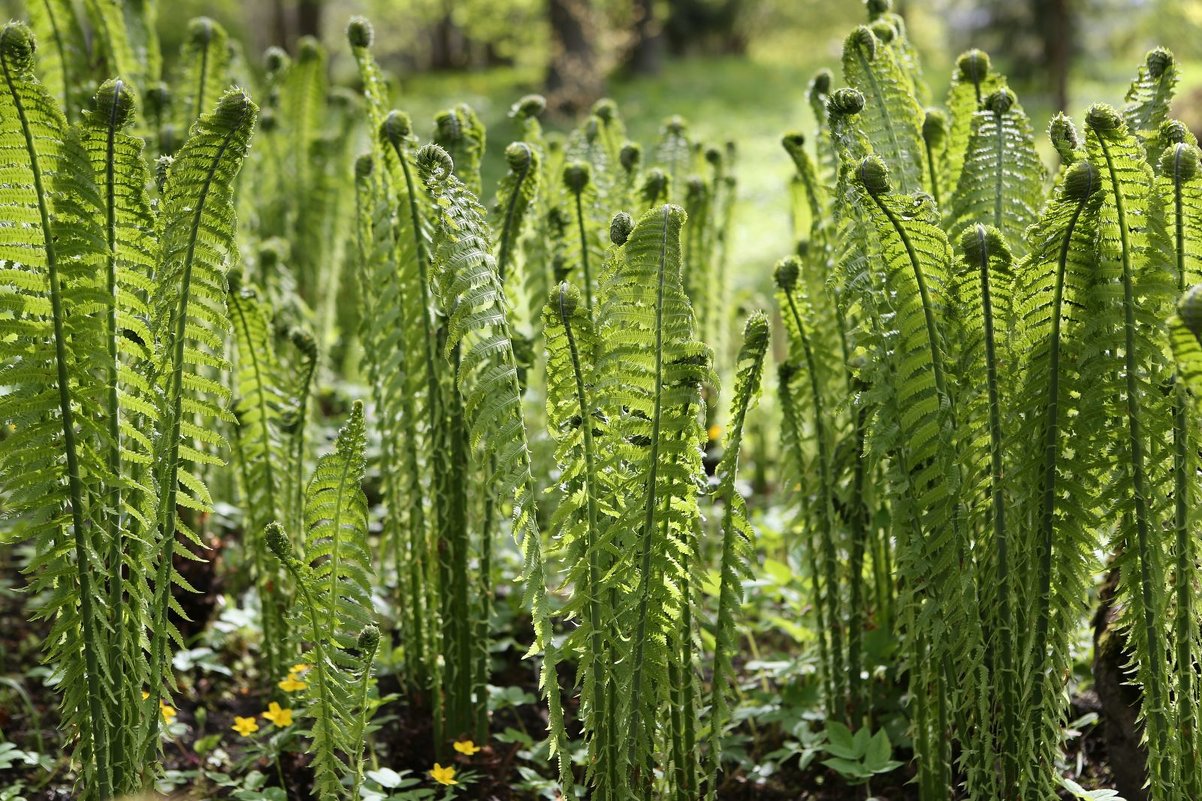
[
  {"x": 583, "y": 520},
  {"x": 892, "y": 116},
  {"x": 973, "y": 81},
  {"x": 460, "y": 132},
  {"x": 1179, "y": 183},
  {"x": 335, "y": 594},
  {"x": 1129, "y": 267},
  {"x": 383, "y": 334},
  {"x": 121, "y": 177},
  {"x": 1052, "y": 286},
  {"x": 935, "y": 549},
  {"x": 203, "y": 70},
  {"x": 1147, "y": 102},
  {"x": 62, "y": 65},
  {"x": 737, "y": 538},
  {"x": 469, "y": 290},
  {"x": 649, "y": 379},
  {"x": 49, "y": 242},
  {"x": 795, "y": 309},
  {"x": 188, "y": 320},
  {"x": 1002, "y": 178},
  {"x": 259, "y": 406}
]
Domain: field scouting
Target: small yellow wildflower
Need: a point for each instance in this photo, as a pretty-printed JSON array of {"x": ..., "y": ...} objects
[
  {"x": 714, "y": 433},
  {"x": 277, "y": 715},
  {"x": 465, "y": 747},
  {"x": 298, "y": 669},
  {"x": 292, "y": 684},
  {"x": 145, "y": 695},
  {"x": 168, "y": 712},
  {"x": 245, "y": 726},
  {"x": 443, "y": 775}
]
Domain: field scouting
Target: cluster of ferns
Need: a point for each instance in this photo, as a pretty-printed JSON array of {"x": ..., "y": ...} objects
[
  {"x": 988, "y": 396},
  {"x": 989, "y": 400},
  {"x": 174, "y": 300}
]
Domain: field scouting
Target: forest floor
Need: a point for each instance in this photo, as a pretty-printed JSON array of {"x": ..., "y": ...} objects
[{"x": 200, "y": 735}]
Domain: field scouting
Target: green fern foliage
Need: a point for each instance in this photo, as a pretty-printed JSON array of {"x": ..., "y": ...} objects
[
  {"x": 738, "y": 537},
  {"x": 335, "y": 611},
  {"x": 1002, "y": 178},
  {"x": 188, "y": 320},
  {"x": 203, "y": 71}
]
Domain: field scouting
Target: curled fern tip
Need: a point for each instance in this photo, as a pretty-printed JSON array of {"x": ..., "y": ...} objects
[
  {"x": 973, "y": 66},
  {"x": 17, "y": 46},
  {"x": 115, "y": 103},
  {"x": 873, "y": 175},
  {"x": 359, "y": 32},
  {"x": 845, "y": 102},
  {"x": 620, "y": 228}
]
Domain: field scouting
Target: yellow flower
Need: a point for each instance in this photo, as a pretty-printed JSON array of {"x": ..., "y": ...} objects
[
  {"x": 145, "y": 695},
  {"x": 278, "y": 716},
  {"x": 245, "y": 726},
  {"x": 466, "y": 747},
  {"x": 298, "y": 669},
  {"x": 168, "y": 712},
  {"x": 714, "y": 432},
  {"x": 292, "y": 684},
  {"x": 443, "y": 775}
]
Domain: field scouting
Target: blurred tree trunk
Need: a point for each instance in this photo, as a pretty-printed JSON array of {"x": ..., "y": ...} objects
[
  {"x": 572, "y": 81},
  {"x": 279, "y": 23},
  {"x": 646, "y": 55},
  {"x": 1054, "y": 19},
  {"x": 308, "y": 18}
]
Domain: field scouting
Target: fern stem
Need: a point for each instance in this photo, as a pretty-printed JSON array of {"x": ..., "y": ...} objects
[
  {"x": 1183, "y": 496},
  {"x": 651, "y": 502},
  {"x": 586, "y": 276},
  {"x": 1051, "y": 440},
  {"x": 169, "y": 484},
  {"x": 268, "y": 603},
  {"x": 592, "y": 548},
  {"x": 826, "y": 516},
  {"x": 92, "y": 632},
  {"x": 1154, "y": 708},
  {"x": 121, "y": 745},
  {"x": 1008, "y": 702}
]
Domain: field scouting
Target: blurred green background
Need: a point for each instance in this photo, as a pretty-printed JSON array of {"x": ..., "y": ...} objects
[{"x": 736, "y": 70}]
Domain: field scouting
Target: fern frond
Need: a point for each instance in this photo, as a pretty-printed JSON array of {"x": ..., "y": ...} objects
[
  {"x": 259, "y": 405},
  {"x": 469, "y": 290},
  {"x": 1052, "y": 290},
  {"x": 202, "y": 72},
  {"x": 892, "y": 116},
  {"x": 53, "y": 465},
  {"x": 1146, "y": 104},
  {"x": 650, "y": 374},
  {"x": 121, "y": 177},
  {"x": 973, "y": 81},
  {"x": 459, "y": 132},
  {"x": 1001, "y": 182},
  {"x": 61, "y": 64},
  {"x": 582, "y": 522},
  {"x": 737, "y": 537},
  {"x": 188, "y": 320},
  {"x": 1181, "y": 186},
  {"x": 106, "y": 19},
  {"x": 335, "y": 591},
  {"x": 1129, "y": 267},
  {"x": 515, "y": 195}
]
